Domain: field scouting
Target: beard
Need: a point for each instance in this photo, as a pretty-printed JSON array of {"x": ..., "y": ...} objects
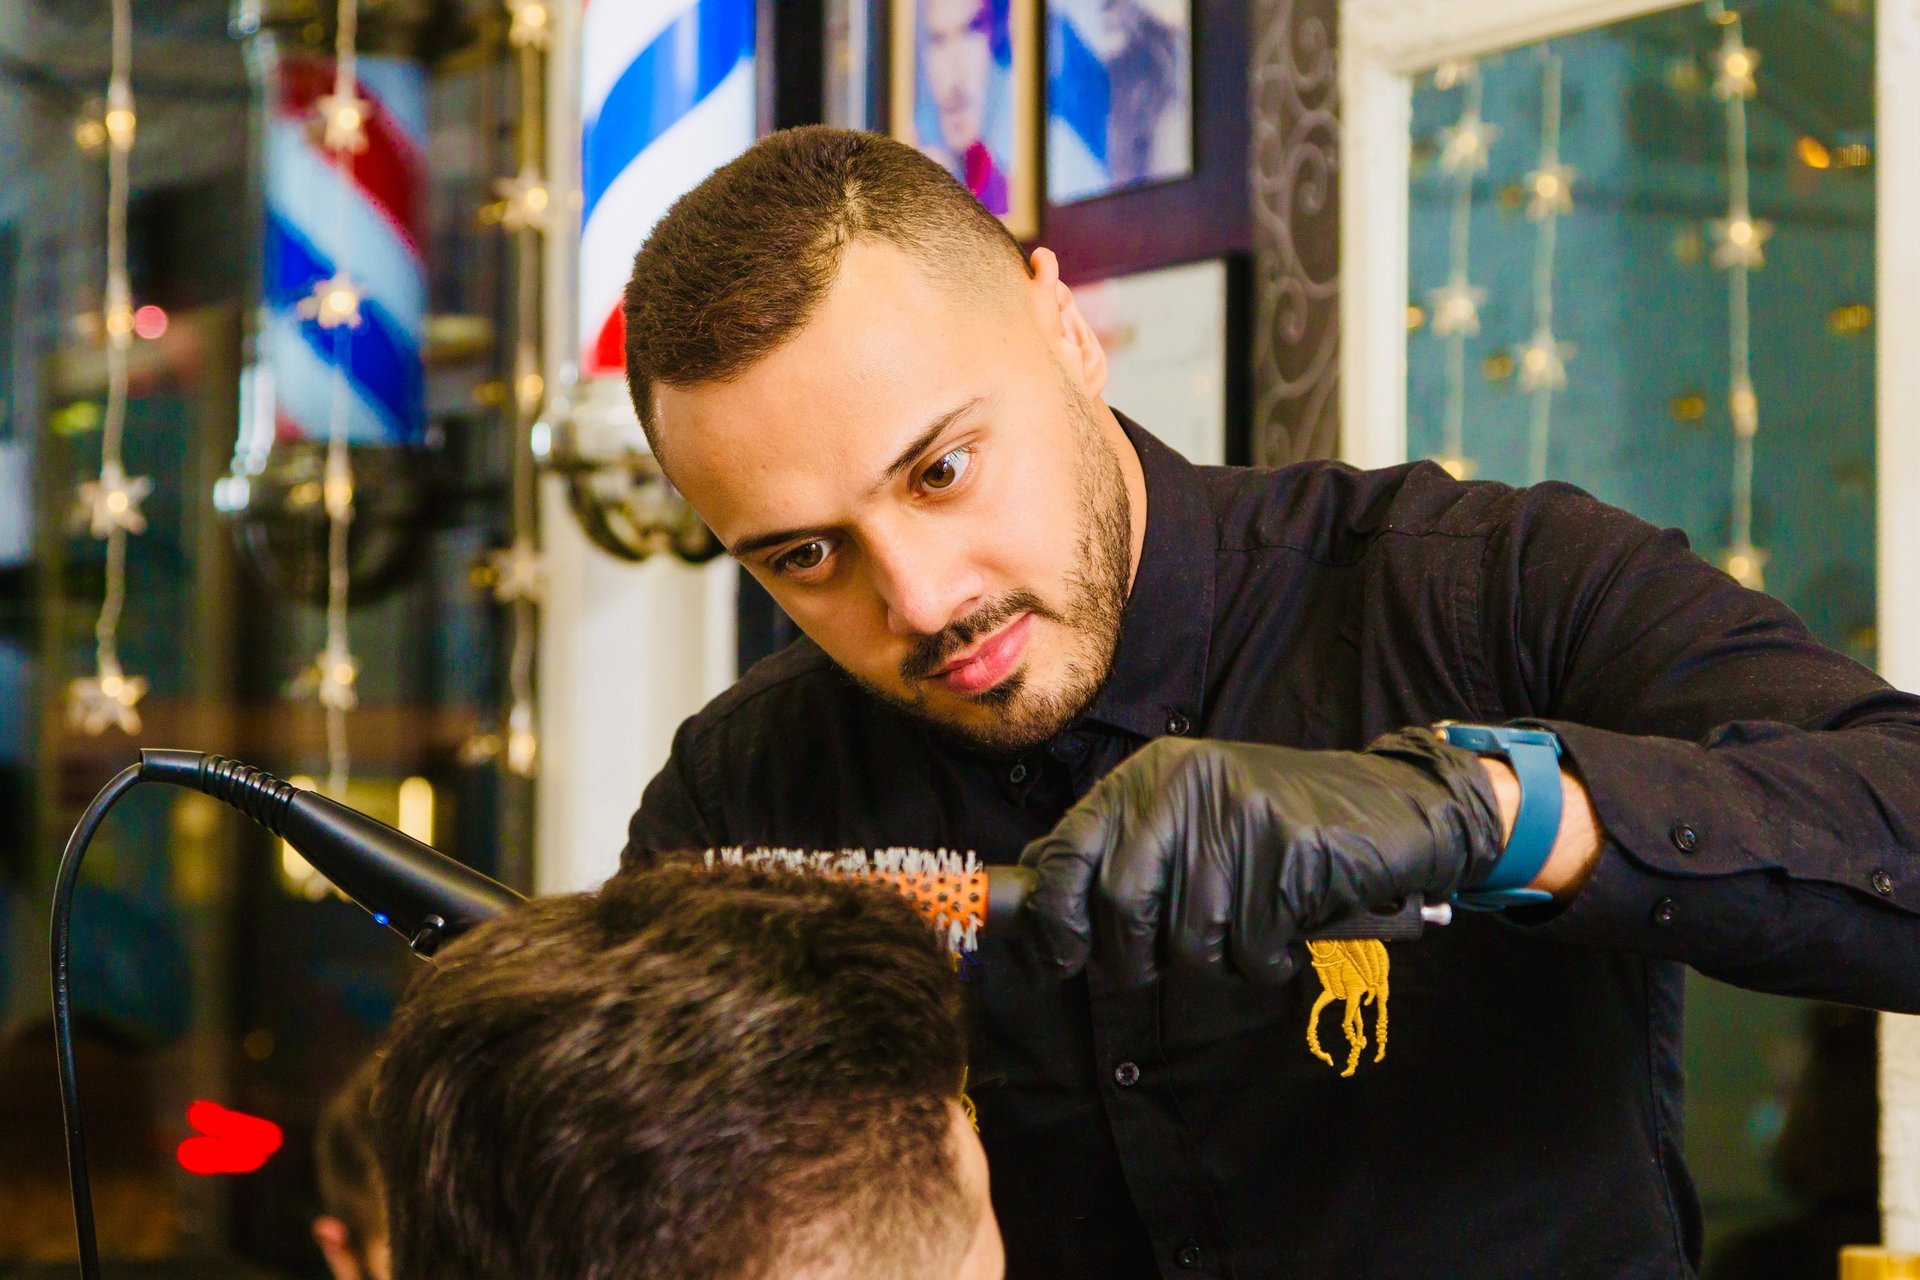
[{"x": 1095, "y": 596}]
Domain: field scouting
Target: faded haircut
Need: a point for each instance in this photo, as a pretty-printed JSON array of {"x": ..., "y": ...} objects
[
  {"x": 726, "y": 1074},
  {"x": 739, "y": 264}
]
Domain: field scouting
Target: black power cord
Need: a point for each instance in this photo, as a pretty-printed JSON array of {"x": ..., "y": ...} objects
[
  {"x": 412, "y": 888},
  {"x": 124, "y": 781}
]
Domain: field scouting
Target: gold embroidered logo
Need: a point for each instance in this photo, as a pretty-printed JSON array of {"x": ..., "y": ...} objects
[{"x": 1354, "y": 971}]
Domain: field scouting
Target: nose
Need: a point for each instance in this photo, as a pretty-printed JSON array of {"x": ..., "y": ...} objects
[{"x": 922, "y": 578}]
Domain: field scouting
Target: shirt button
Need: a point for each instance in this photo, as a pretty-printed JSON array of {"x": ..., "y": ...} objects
[
  {"x": 1882, "y": 882},
  {"x": 1017, "y": 774},
  {"x": 1685, "y": 838},
  {"x": 1177, "y": 725},
  {"x": 1188, "y": 1257},
  {"x": 1126, "y": 1075},
  {"x": 1665, "y": 910}
]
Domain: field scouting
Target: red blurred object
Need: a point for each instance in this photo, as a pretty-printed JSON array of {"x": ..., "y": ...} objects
[
  {"x": 226, "y": 1141},
  {"x": 149, "y": 322}
]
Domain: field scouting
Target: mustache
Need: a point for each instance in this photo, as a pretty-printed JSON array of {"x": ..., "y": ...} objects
[{"x": 932, "y": 652}]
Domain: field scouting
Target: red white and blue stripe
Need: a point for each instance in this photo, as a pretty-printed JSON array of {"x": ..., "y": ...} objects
[
  {"x": 666, "y": 97},
  {"x": 366, "y": 217}
]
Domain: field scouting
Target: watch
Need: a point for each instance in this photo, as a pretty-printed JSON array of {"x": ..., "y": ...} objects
[{"x": 1534, "y": 755}]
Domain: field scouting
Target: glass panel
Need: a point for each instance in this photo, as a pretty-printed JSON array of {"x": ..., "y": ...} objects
[
  {"x": 208, "y": 965},
  {"x": 1642, "y": 261}
]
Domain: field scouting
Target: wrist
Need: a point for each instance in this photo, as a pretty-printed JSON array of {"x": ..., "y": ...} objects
[{"x": 1577, "y": 845}]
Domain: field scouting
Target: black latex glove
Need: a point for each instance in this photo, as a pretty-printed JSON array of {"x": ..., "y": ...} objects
[{"x": 1216, "y": 856}]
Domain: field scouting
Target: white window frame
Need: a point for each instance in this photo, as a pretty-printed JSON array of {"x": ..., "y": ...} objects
[{"x": 1383, "y": 45}]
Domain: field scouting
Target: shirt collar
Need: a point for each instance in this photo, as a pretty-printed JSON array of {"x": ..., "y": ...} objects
[{"x": 1160, "y": 664}]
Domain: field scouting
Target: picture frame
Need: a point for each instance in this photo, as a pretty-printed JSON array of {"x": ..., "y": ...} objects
[
  {"x": 965, "y": 91},
  {"x": 1119, "y": 96},
  {"x": 1176, "y": 342}
]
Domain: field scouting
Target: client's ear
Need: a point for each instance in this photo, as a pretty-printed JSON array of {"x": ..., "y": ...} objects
[{"x": 336, "y": 1242}]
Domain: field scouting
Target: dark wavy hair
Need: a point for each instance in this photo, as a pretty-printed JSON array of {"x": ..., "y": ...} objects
[{"x": 690, "y": 1074}]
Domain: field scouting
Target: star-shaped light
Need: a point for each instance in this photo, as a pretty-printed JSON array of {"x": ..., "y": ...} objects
[
  {"x": 1743, "y": 406},
  {"x": 336, "y": 493},
  {"x": 106, "y": 700},
  {"x": 343, "y": 120},
  {"x": 1543, "y": 362},
  {"x": 1550, "y": 191},
  {"x": 518, "y": 571},
  {"x": 1746, "y": 565},
  {"x": 331, "y": 678},
  {"x": 1464, "y": 146},
  {"x": 113, "y": 501},
  {"x": 119, "y": 120},
  {"x": 1456, "y": 466},
  {"x": 524, "y": 201},
  {"x": 333, "y": 302},
  {"x": 1740, "y": 241},
  {"x": 532, "y": 25},
  {"x": 523, "y": 744},
  {"x": 1456, "y": 308},
  {"x": 1734, "y": 65}
]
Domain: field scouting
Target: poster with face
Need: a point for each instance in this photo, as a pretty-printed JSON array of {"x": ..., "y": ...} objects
[
  {"x": 963, "y": 94},
  {"x": 1119, "y": 95}
]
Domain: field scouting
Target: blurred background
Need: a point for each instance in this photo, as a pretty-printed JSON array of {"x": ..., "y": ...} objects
[{"x": 314, "y": 452}]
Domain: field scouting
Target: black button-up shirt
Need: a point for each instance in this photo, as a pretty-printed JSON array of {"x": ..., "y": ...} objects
[{"x": 1760, "y": 794}]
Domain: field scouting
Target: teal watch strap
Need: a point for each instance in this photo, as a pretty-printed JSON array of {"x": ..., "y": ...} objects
[{"x": 1534, "y": 755}]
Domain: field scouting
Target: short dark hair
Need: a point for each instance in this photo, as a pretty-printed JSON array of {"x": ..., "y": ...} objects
[
  {"x": 738, "y": 264},
  {"x": 690, "y": 1074},
  {"x": 345, "y": 1161}
]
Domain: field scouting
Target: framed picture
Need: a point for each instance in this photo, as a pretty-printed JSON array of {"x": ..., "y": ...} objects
[
  {"x": 965, "y": 85},
  {"x": 1172, "y": 353},
  {"x": 1119, "y": 95}
]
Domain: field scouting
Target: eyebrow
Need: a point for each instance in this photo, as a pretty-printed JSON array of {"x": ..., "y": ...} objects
[{"x": 919, "y": 445}]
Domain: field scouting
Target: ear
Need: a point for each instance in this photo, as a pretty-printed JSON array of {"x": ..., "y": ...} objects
[
  {"x": 336, "y": 1242},
  {"x": 1078, "y": 346}
]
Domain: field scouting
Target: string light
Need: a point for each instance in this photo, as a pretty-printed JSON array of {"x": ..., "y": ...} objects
[
  {"x": 110, "y": 505},
  {"x": 1543, "y": 358},
  {"x": 1738, "y": 239},
  {"x": 332, "y": 678},
  {"x": 518, "y": 570},
  {"x": 333, "y": 302},
  {"x": 1464, "y": 153},
  {"x": 531, "y": 25},
  {"x": 1734, "y": 66},
  {"x": 525, "y": 201}
]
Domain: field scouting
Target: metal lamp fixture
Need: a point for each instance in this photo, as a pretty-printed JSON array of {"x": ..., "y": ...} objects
[
  {"x": 615, "y": 488},
  {"x": 630, "y": 130}
]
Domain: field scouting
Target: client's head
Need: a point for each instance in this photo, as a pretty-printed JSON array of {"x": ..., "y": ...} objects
[
  {"x": 722, "y": 1074},
  {"x": 351, "y": 1229}
]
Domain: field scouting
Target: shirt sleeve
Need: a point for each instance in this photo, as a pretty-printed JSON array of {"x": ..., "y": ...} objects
[
  {"x": 671, "y": 817},
  {"x": 1760, "y": 792}
]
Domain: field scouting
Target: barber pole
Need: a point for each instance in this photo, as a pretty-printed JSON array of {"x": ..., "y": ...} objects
[
  {"x": 666, "y": 97},
  {"x": 364, "y": 219}
]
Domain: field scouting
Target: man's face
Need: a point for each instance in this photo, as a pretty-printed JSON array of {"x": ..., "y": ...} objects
[
  {"x": 957, "y": 57},
  {"x": 924, "y": 479}
]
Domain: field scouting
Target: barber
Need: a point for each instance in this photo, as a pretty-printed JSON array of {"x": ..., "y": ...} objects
[{"x": 1201, "y": 703}]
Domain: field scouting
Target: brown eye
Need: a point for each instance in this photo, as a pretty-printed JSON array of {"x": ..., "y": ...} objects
[
  {"x": 946, "y": 473},
  {"x": 808, "y": 555}
]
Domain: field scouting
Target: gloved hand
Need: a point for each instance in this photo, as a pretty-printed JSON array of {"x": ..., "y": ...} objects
[{"x": 1216, "y": 856}]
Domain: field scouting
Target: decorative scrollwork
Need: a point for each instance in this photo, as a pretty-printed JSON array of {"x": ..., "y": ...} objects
[{"x": 1293, "y": 104}]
